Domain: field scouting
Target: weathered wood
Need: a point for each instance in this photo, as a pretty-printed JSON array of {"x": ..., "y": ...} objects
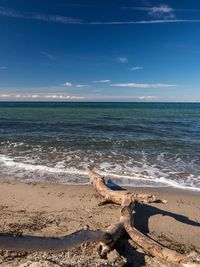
[
  {"x": 115, "y": 230},
  {"x": 146, "y": 243},
  {"x": 50, "y": 244},
  {"x": 127, "y": 201},
  {"x": 117, "y": 196}
]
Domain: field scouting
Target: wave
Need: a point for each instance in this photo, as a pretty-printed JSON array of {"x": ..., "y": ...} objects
[
  {"x": 9, "y": 162},
  {"x": 60, "y": 173},
  {"x": 153, "y": 182}
]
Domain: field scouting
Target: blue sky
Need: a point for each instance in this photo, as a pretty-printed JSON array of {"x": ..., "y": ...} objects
[{"x": 102, "y": 50}]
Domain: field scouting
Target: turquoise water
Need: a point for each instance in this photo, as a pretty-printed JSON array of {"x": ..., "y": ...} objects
[{"x": 138, "y": 144}]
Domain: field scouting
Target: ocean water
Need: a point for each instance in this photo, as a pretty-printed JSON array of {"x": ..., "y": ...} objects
[{"x": 135, "y": 144}]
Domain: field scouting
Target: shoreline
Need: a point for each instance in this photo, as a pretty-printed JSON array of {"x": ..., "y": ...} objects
[
  {"x": 50, "y": 209},
  {"x": 165, "y": 189}
]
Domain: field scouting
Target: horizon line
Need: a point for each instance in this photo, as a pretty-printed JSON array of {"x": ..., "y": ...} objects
[{"x": 95, "y": 101}]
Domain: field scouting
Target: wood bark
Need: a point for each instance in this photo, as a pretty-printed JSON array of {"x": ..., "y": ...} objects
[
  {"x": 149, "y": 245},
  {"x": 50, "y": 244},
  {"x": 127, "y": 201},
  {"x": 115, "y": 231},
  {"x": 117, "y": 196}
]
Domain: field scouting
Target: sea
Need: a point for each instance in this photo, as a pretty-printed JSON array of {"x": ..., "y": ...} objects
[{"x": 132, "y": 144}]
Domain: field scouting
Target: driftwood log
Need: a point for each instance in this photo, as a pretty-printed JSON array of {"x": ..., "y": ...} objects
[
  {"x": 127, "y": 201},
  {"x": 50, "y": 244},
  {"x": 108, "y": 238}
]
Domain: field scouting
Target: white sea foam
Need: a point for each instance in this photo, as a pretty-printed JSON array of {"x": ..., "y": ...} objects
[
  {"x": 145, "y": 176},
  {"x": 154, "y": 182},
  {"x": 9, "y": 162}
]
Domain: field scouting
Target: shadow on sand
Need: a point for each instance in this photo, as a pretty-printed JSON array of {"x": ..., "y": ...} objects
[
  {"x": 144, "y": 212},
  {"x": 141, "y": 221}
]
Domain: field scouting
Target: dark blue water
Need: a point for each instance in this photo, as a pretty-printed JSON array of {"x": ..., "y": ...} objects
[{"x": 139, "y": 144}]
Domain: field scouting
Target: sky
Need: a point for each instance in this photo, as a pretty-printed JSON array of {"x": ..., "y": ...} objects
[{"x": 100, "y": 50}]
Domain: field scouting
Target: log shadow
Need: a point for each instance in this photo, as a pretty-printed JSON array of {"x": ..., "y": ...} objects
[
  {"x": 144, "y": 212},
  {"x": 114, "y": 186},
  {"x": 132, "y": 256}
]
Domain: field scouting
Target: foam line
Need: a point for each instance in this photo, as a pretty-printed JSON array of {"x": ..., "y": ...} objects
[{"x": 154, "y": 181}]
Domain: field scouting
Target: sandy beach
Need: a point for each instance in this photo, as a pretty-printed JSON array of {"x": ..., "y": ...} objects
[{"x": 56, "y": 210}]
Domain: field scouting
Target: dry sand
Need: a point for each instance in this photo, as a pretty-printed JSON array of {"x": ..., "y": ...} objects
[{"x": 55, "y": 210}]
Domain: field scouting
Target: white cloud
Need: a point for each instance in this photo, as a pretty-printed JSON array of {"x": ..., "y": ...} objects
[
  {"x": 55, "y": 18},
  {"x": 122, "y": 59},
  {"x": 4, "y": 95},
  {"x": 41, "y": 96},
  {"x": 81, "y": 85},
  {"x": 67, "y": 84},
  {"x": 3, "y": 68},
  {"x": 136, "y": 68},
  {"x": 146, "y": 8},
  {"x": 143, "y": 85},
  {"x": 162, "y": 11},
  {"x": 162, "y": 8},
  {"x": 128, "y": 98},
  {"x": 147, "y": 97},
  {"x": 18, "y": 96},
  {"x": 63, "y": 97},
  {"x": 102, "y": 81},
  {"x": 8, "y": 12},
  {"x": 167, "y": 18},
  {"x": 158, "y": 21},
  {"x": 35, "y": 96}
]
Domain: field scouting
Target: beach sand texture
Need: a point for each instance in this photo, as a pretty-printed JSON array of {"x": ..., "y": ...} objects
[{"x": 56, "y": 210}]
